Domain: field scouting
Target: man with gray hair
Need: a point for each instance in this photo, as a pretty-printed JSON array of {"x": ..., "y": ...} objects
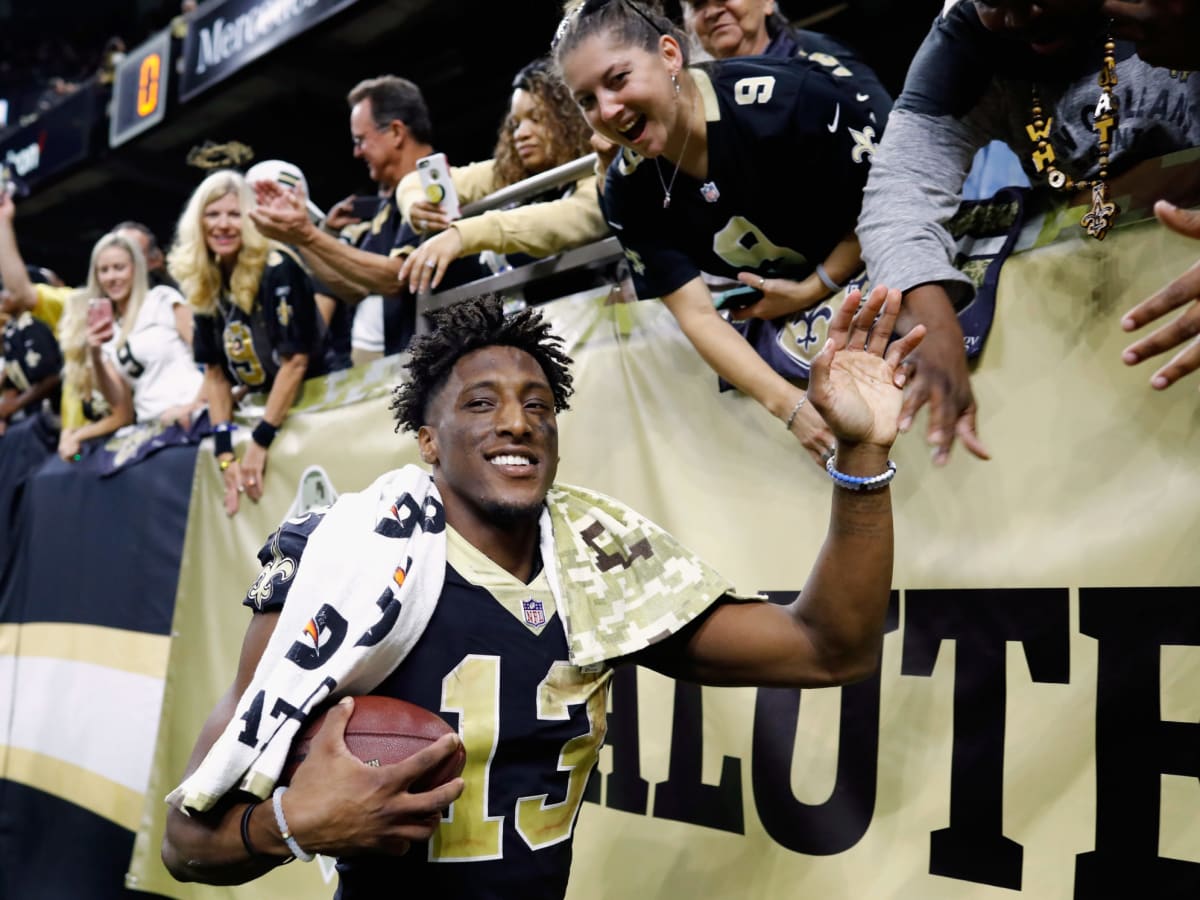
[{"x": 390, "y": 128}]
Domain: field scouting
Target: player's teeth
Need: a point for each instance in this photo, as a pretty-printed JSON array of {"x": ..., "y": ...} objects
[{"x": 511, "y": 461}]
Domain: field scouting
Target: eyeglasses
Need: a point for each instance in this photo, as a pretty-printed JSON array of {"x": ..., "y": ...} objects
[{"x": 590, "y": 6}]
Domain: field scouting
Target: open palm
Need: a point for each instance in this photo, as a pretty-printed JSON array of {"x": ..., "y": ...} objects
[{"x": 853, "y": 383}]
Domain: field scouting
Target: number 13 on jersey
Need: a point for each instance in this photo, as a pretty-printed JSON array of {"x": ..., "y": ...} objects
[{"x": 472, "y": 831}]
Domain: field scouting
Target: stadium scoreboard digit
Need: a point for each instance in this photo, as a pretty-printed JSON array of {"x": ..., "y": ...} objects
[{"x": 139, "y": 98}]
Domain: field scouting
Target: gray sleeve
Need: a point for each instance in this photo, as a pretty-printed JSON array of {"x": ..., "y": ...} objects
[{"x": 914, "y": 188}]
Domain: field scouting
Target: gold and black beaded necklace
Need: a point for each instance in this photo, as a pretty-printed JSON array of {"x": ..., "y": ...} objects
[{"x": 1097, "y": 221}]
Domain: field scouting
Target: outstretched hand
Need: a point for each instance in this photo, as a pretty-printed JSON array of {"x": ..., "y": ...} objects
[
  {"x": 281, "y": 213},
  {"x": 1181, "y": 332},
  {"x": 855, "y": 382}
]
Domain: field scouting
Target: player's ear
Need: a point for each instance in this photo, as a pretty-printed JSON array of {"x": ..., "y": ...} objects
[{"x": 427, "y": 444}]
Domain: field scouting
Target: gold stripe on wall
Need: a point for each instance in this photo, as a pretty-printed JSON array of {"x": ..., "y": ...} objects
[
  {"x": 85, "y": 789},
  {"x": 116, "y": 648}
]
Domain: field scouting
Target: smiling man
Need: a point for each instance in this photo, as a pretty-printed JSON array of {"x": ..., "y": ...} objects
[{"x": 501, "y": 599}]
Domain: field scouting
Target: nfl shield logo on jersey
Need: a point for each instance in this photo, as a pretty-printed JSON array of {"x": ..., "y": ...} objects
[
  {"x": 535, "y": 613},
  {"x": 710, "y": 192}
]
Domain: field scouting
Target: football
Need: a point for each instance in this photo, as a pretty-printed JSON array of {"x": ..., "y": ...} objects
[{"x": 383, "y": 731}]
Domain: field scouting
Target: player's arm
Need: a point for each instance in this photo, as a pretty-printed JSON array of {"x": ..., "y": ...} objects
[
  {"x": 335, "y": 804},
  {"x": 831, "y": 634}
]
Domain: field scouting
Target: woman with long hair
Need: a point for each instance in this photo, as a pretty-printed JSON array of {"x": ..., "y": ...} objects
[
  {"x": 748, "y": 168},
  {"x": 125, "y": 347},
  {"x": 542, "y": 130},
  {"x": 256, "y": 321}
]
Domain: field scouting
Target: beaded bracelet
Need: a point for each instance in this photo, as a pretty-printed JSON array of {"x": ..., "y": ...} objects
[
  {"x": 277, "y": 803},
  {"x": 859, "y": 482}
]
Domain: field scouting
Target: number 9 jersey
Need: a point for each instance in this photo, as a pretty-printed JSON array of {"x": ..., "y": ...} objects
[
  {"x": 284, "y": 321},
  {"x": 789, "y": 146}
]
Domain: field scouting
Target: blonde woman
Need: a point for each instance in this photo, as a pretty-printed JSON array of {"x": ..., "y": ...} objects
[
  {"x": 255, "y": 316},
  {"x": 125, "y": 348},
  {"x": 152, "y": 335}
]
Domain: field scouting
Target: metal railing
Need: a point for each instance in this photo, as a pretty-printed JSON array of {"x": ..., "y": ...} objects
[
  {"x": 604, "y": 257},
  {"x": 534, "y": 185}
]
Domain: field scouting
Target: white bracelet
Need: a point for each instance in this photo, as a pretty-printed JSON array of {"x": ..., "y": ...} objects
[
  {"x": 859, "y": 482},
  {"x": 277, "y": 802},
  {"x": 826, "y": 280}
]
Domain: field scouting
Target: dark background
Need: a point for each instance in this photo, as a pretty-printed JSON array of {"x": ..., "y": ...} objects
[{"x": 291, "y": 103}]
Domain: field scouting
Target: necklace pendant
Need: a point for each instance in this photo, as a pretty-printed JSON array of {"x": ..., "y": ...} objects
[
  {"x": 1097, "y": 221},
  {"x": 666, "y": 201}
]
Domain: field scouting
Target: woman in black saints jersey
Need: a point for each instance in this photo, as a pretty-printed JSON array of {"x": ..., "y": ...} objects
[
  {"x": 749, "y": 169},
  {"x": 256, "y": 320}
]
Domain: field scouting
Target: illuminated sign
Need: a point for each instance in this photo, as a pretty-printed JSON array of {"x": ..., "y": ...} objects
[
  {"x": 222, "y": 38},
  {"x": 140, "y": 89}
]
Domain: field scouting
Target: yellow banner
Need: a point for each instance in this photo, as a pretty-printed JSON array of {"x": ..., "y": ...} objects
[{"x": 1033, "y": 729}]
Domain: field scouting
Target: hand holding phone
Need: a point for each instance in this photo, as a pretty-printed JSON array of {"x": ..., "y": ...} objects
[
  {"x": 737, "y": 298},
  {"x": 434, "y": 172},
  {"x": 99, "y": 313}
]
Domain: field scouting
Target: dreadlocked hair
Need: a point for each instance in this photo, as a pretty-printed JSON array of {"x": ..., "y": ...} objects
[{"x": 463, "y": 328}]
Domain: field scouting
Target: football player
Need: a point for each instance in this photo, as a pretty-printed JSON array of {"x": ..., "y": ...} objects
[{"x": 483, "y": 395}]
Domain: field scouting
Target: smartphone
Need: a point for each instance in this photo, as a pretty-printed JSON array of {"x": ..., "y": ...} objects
[
  {"x": 100, "y": 312},
  {"x": 737, "y": 298},
  {"x": 364, "y": 207},
  {"x": 434, "y": 173}
]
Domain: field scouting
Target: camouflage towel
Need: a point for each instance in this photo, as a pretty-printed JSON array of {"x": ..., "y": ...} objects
[
  {"x": 365, "y": 588},
  {"x": 622, "y": 582}
]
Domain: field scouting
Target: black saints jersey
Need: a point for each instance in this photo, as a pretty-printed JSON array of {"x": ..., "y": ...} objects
[
  {"x": 251, "y": 346},
  {"x": 789, "y": 146},
  {"x": 31, "y": 354},
  {"x": 493, "y": 663}
]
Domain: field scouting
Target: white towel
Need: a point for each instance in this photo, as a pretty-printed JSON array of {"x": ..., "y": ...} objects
[
  {"x": 619, "y": 581},
  {"x": 371, "y": 574}
]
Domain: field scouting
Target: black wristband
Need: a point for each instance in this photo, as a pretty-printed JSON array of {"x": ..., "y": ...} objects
[
  {"x": 222, "y": 442},
  {"x": 246, "y": 830},
  {"x": 263, "y": 434}
]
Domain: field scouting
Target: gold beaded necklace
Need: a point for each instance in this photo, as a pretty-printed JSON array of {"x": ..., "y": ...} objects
[{"x": 1097, "y": 221}]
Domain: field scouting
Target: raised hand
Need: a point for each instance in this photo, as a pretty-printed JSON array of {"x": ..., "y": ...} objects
[
  {"x": 281, "y": 213},
  {"x": 1184, "y": 330},
  {"x": 855, "y": 382}
]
